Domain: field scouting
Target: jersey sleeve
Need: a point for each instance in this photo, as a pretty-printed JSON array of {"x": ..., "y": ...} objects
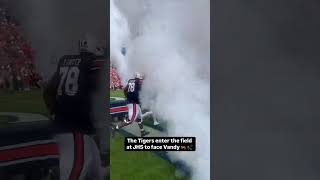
[
  {"x": 140, "y": 82},
  {"x": 125, "y": 91},
  {"x": 97, "y": 64},
  {"x": 95, "y": 71}
]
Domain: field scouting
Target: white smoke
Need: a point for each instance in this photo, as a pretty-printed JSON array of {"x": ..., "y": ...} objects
[
  {"x": 119, "y": 37},
  {"x": 171, "y": 45}
]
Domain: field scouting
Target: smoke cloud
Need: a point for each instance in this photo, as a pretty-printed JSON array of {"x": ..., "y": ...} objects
[
  {"x": 119, "y": 36},
  {"x": 170, "y": 44}
]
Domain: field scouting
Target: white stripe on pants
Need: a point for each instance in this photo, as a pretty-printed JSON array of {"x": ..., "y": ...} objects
[{"x": 134, "y": 113}]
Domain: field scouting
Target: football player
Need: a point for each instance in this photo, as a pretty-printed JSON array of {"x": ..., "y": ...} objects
[
  {"x": 131, "y": 92},
  {"x": 68, "y": 97}
]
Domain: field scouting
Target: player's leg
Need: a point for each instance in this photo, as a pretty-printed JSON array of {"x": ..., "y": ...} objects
[
  {"x": 155, "y": 121},
  {"x": 78, "y": 167},
  {"x": 132, "y": 116},
  {"x": 150, "y": 113},
  {"x": 92, "y": 162},
  {"x": 66, "y": 154},
  {"x": 103, "y": 140},
  {"x": 140, "y": 121},
  {"x": 79, "y": 157},
  {"x": 154, "y": 117}
]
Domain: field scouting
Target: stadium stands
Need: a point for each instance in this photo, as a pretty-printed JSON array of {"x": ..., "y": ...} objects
[
  {"x": 115, "y": 81},
  {"x": 17, "y": 70}
]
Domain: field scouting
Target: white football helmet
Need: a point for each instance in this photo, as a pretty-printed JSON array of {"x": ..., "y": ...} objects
[
  {"x": 88, "y": 44},
  {"x": 138, "y": 75}
]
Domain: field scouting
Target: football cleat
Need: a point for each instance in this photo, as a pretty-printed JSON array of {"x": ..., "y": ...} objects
[
  {"x": 144, "y": 133},
  {"x": 113, "y": 130},
  {"x": 156, "y": 123}
]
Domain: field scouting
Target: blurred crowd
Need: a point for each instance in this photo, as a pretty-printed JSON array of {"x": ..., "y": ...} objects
[
  {"x": 115, "y": 81},
  {"x": 17, "y": 70}
]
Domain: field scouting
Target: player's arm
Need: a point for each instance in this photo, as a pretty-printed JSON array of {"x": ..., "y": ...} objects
[
  {"x": 125, "y": 91},
  {"x": 95, "y": 75},
  {"x": 50, "y": 92},
  {"x": 140, "y": 82}
]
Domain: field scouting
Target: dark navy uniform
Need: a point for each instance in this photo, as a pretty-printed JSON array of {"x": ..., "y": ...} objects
[
  {"x": 76, "y": 83},
  {"x": 69, "y": 96},
  {"x": 132, "y": 90}
]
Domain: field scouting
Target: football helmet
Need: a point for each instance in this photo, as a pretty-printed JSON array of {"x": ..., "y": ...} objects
[
  {"x": 138, "y": 75},
  {"x": 88, "y": 44}
]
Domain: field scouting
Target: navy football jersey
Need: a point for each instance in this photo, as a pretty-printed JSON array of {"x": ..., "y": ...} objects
[
  {"x": 133, "y": 89},
  {"x": 74, "y": 91}
]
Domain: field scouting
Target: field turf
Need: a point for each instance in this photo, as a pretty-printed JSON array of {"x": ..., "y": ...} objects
[
  {"x": 127, "y": 165},
  {"x": 138, "y": 165},
  {"x": 116, "y": 93},
  {"x": 22, "y": 101}
]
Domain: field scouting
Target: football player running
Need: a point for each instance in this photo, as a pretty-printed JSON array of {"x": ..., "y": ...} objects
[
  {"x": 68, "y": 97},
  {"x": 132, "y": 91}
]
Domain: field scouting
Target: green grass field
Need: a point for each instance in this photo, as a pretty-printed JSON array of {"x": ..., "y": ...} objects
[
  {"x": 23, "y": 101},
  {"x": 124, "y": 165},
  {"x": 127, "y": 165},
  {"x": 138, "y": 165},
  {"x": 116, "y": 93}
]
